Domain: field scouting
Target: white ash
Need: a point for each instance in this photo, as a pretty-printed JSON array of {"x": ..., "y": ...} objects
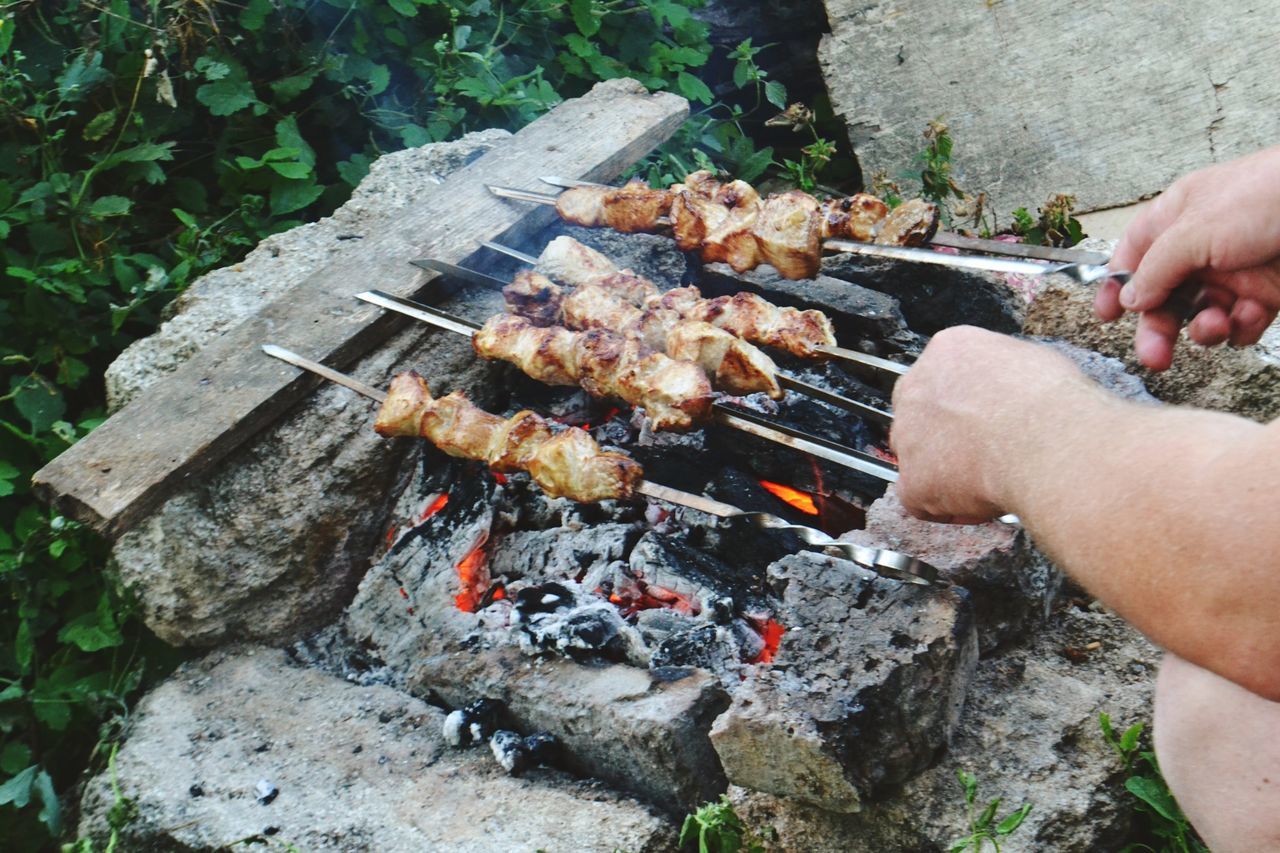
[
  {"x": 572, "y": 621},
  {"x": 454, "y": 724},
  {"x": 510, "y": 751}
]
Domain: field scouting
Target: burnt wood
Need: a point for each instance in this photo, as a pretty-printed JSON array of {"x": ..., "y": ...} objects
[{"x": 229, "y": 390}]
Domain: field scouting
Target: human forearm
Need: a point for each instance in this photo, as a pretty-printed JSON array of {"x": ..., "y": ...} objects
[{"x": 1158, "y": 512}]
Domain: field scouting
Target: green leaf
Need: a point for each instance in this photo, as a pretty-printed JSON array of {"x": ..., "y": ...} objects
[
  {"x": 288, "y": 88},
  {"x": 290, "y": 196},
  {"x": 379, "y": 79},
  {"x": 970, "y": 783},
  {"x": 51, "y": 814},
  {"x": 776, "y": 94},
  {"x": 1129, "y": 740},
  {"x": 1153, "y": 793},
  {"x": 404, "y": 7},
  {"x": 99, "y": 126},
  {"x": 1013, "y": 821},
  {"x": 292, "y": 170},
  {"x": 352, "y": 171},
  {"x": 83, "y": 75},
  {"x": 587, "y": 23},
  {"x": 16, "y": 755},
  {"x": 39, "y": 402},
  {"x": 227, "y": 96},
  {"x": 754, "y": 166},
  {"x": 56, "y": 714},
  {"x": 110, "y": 205},
  {"x": 254, "y": 14},
  {"x": 141, "y": 153},
  {"x": 414, "y": 136},
  {"x": 988, "y": 815},
  {"x": 693, "y": 88},
  {"x": 18, "y": 789},
  {"x": 8, "y": 474},
  {"x": 6, "y": 34},
  {"x": 91, "y": 632}
]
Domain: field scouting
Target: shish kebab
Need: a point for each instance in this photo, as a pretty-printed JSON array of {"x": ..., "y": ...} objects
[
  {"x": 676, "y": 395},
  {"x": 730, "y": 363},
  {"x": 566, "y": 462},
  {"x": 730, "y": 223},
  {"x": 806, "y": 334}
]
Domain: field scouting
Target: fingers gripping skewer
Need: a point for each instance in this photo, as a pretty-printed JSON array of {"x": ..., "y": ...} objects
[{"x": 887, "y": 563}]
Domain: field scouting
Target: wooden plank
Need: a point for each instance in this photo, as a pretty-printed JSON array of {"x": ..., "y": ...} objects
[{"x": 230, "y": 390}]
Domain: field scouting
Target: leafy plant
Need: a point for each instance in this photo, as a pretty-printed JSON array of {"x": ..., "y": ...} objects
[
  {"x": 144, "y": 144},
  {"x": 717, "y": 829},
  {"x": 1055, "y": 225},
  {"x": 1162, "y": 819},
  {"x": 983, "y": 827}
]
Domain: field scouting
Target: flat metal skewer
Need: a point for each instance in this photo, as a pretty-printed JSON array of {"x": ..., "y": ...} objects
[
  {"x": 891, "y": 564},
  {"x": 785, "y": 380}
]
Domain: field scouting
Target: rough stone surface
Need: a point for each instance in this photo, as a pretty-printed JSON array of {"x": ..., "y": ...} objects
[
  {"x": 272, "y": 543},
  {"x": 1029, "y": 733},
  {"x": 223, "y": 298},
  {"x": 1195, "y": 83},
  {"x": 1241, "y": 381},
  {"x": 866, "y": 688},
  {"x": 356, "y": 768},
  {"x": 1012, "y": 584}
]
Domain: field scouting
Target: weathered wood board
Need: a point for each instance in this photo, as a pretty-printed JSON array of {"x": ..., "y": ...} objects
[
  {"x": 1107, "y": 101},
  {"x": 230, "y": 389}
]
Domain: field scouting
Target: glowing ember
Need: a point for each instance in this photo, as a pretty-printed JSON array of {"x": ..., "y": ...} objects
[
  {"x": 435, "y": 506},
  {"x": 500, "y": 478},
  {"x": 635, "y": 596},
  {"x": 473, "y": 578},
  {"x": 794, "y": 498},
  {"x": 886, "y": 455},
  {"x": 391, "y": 535},
  {"x": 771, "y": 632}
]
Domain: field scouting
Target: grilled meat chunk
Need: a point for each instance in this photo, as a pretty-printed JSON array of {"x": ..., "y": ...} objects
[
  {"x": 788, "y": 234},
  {"x": 856, "y": 217},
  {"x": 674, "y": 394},
  {"x": 911, "y": 223},
  {"x": 753, "y": 318},
  {"x": 534, "y": 297},
  {"x": 631, "y": 208},
  {"x": 567, "y": 463}
]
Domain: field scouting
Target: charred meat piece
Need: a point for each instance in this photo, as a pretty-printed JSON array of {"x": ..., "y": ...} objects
[
  {"x": 788, "y": 234},
  {"x": 731, "y": 240},
  {"x": 856, "y": 217},
  {"x": 911, "y": 223},
  {"x": 674, "y": 394},
  {"x": 534, "y": 297},
  {"x": 566, "y": 463},
  {"x": 755, "y": 319}
]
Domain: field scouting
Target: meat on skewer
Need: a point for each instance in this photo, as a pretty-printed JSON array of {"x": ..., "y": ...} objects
[
  {"x": 731, "y": 223},
  {"x": 567, "y": 463},
  {"x": 676, "y": 395},
  {"x": 744, "y": 315},
  {"x": 731, "y": 363}
]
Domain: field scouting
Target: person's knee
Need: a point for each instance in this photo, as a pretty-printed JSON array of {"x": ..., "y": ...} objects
[{"x": 1219, "y": 749}]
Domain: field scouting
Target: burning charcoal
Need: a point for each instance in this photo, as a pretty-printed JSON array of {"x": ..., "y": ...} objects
[
  {"x": 706, "y": 646},
  {"x": 714, "y": 586},
  {"x": 751, "y": 646},
  {"x": 544, "y": 598},
  {"x": 562, "y": 617},
  {"x": 510, "y": 750},
  {"x": 266, "y": 792},
  {"x": 473, "y": 723},
  {"x": 543, "y": 748}
]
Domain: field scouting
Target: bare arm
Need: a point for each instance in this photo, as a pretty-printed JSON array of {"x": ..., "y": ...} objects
[{"x": 1163, "y": 513}]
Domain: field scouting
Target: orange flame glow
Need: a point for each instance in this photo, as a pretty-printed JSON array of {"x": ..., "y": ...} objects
[
  {"x": 473, "y": 578},
  {"x": 795, "y": 498},
  {"x": 772, "y": 634},
  {"x": 435, "y": 506}
]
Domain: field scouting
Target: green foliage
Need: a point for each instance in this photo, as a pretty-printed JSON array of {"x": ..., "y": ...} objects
[
  {"x": 144, "y": 144},
  {"x": 1165, "y": 829},
  {"x": 983, "y": 826},
  {"x": 1055, "y": 225},
  {"x": 717, "y": 828}
]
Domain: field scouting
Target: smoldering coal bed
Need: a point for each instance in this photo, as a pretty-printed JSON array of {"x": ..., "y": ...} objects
[{"x": 666, "y": 650}]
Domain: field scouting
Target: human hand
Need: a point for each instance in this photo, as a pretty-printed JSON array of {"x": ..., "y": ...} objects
[
  {"x": 1219, "y": 227},
  {"x": 965, "y": 412}
]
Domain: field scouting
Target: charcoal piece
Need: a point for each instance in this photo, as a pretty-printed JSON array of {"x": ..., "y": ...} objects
[
  {"x": 510, "y": 751},
  {"x": 543, "y": 598},
  {"x": 560, "y": 552},
  {"x": 706, "y": 647},
  {"x": 472, "y": 723},
  {"x": 543, "y": 748},
  {"x": 750, "y": 644},
  {"x": 668, "y": 562}
]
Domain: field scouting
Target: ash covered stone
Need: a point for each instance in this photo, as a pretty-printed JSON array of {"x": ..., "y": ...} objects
[
  {"x": 265, "y": 792},
  {"x": 510, "y": 751},
  {"x": 472, "y": 723}
]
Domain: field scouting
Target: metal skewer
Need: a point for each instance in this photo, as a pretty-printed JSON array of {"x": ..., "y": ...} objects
[
  {"x": 785, "y": 380},
  {"x": 891, "y": 564},
  {"x": 724, "y": 415},
  {"x": 942, "y": 238}
]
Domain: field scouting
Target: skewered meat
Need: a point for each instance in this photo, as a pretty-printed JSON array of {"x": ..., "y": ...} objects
[
  {"x": 567, "y": 463},
  {"x": 630, "y": 208},
  {"x": 730, "y": 223},
  {"x": 746, "y": 316},
  {"x": 675, "y": 394},
  {"x": 732, "y": 364},
  {"x": 911, "y": 223}
]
